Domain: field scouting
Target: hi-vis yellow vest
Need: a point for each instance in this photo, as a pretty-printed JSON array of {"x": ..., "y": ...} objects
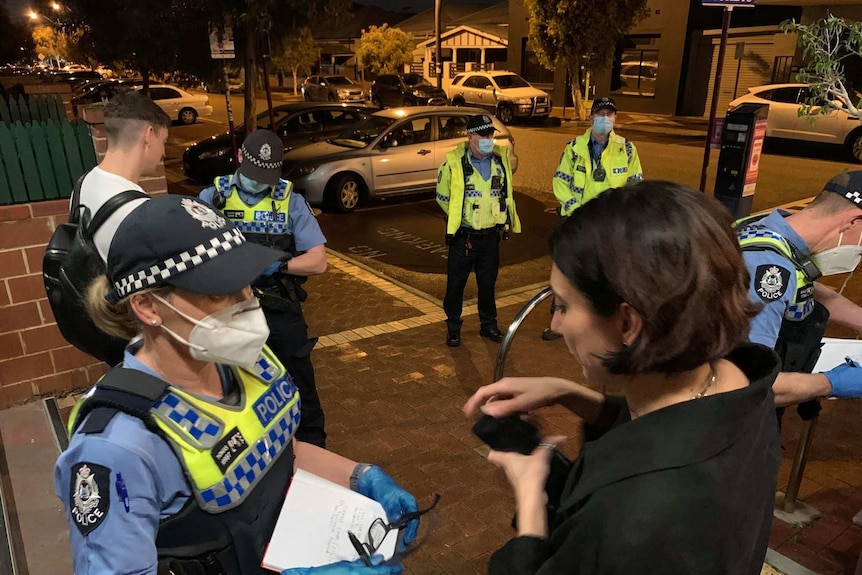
[
  {"x": 268, "y": 216},
  {"x": 225, "y": 450}
]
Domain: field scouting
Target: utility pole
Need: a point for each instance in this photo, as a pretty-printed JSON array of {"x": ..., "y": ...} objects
[{"x": 439, "y": 51}]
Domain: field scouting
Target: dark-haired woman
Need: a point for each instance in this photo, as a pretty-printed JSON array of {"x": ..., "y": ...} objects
[{"x": 678, "y": 474}]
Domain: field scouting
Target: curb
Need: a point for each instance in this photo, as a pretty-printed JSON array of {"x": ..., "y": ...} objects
[{"x": 785, "y": 564}]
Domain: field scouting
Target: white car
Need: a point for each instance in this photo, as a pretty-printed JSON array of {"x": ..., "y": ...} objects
[
  {"x": 784, "y": 121},
  {"x": 179, "y": 104},
  {"x": 504, "y": 94}
]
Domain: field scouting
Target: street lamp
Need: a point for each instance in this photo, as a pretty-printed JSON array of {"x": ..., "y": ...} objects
[{"x": 34, "y": 16}]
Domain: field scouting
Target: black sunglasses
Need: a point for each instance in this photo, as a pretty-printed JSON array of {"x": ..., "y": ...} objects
[{"x": 379, "y": 529}]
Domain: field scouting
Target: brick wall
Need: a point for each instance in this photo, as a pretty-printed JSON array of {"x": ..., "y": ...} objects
[{"x": 34, "y": 357}]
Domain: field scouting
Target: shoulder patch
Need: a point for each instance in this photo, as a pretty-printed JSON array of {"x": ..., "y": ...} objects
[
  {"x": 770, "y": 282},
  {"x": 89, "y": 495}
]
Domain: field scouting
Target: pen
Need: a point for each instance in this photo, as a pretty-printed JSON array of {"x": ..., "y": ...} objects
[{"x": 850, "y": 361}]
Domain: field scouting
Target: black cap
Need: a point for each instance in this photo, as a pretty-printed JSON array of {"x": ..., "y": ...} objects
[
  {"x": 847, "y": 184},
  {"x": 262, "y": 156},
  {"x": 602, "y": 103},
  {"x": 482, "y": 125},
  {"x": 182, "y": 241}
]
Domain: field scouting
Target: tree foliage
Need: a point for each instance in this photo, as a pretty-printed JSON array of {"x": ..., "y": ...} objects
[
  {"x": 826, "y": 45},
  {"x": 49, "y": 42},
  {"x": 297, "y": 54},
  {"x": 384, "y": 49},
  {"x": 580, "y": 33}
]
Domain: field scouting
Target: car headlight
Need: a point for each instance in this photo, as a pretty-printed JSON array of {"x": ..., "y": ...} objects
[
  {"x": 304, "y": 170},
  {"x": 213, "y": 154},
  {"x": 343, "y": 92},
  {"x": 522, "y": 101}
]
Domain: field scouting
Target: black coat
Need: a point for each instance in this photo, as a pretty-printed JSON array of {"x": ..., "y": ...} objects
[{"x": 688, "y": 489}]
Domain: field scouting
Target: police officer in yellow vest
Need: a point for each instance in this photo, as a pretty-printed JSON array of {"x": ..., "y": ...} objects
[
  {"x": 785, "y": 254},
  {"x": 595, "y": 161},
  {"x": 263, "y": 207},
  {"x": 474, "y": 188},
  {"x": 180, "y": 457}
]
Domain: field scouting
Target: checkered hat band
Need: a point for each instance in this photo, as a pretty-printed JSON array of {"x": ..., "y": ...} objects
[
  {"x": 246, "y": 155},
  {"x": 178, "y": 264},
  {"x": 852, "y": 195},
  {"x": 489, "y": 126}
]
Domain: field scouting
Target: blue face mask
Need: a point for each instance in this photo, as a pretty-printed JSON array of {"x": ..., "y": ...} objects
[
  {"x": 486, "y": 146},
  {"x": 603, "y": 125},
  {"x": 252, "y": 186}
]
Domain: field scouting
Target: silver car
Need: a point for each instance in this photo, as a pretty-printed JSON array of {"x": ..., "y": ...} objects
[
  {"x": 394, "y": 151},
  {"x": 332, "y": 89}
]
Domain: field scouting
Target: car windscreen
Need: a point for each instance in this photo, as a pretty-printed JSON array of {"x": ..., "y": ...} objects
[
  {"x": 278, "y": 114},
  {"x": 510, "y": 81},
  {"x": 361, "y": 134},
  {"x": 415, "y": 80},
  {"x": 338, "y": 80}
]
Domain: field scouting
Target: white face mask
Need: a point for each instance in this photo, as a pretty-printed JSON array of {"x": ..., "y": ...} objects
[
  {"x": 234, "y": 335},
  {"x": 840, "y": 259}
]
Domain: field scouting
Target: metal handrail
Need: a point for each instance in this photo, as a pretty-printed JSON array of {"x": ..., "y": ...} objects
[{"x": 513, "y": 328}]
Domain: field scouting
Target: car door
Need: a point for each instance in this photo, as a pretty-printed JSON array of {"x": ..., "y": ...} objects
[
  {"x": 470, "y": 87},
  {"x": 484, "y": 93},
  {"x": 783, "y": 106},
  {"x": 831, "y": 128},
  {"x": 168, "y": 100},
  {"x": 404, "y": 159}
]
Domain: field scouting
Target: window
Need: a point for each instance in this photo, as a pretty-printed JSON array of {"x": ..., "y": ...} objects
[
  {"x": 303, "y": 123},
  {"x": 478, "y": 82},
  {"x": 531, "y": 69},
  {"x": 451, "y": 127},
  {"x": 507, "y": 81},
  {"x": 339, "y": 119},
  {"x": 163, "y": 93},
  {"x": 457, "y": 79},
  {"x": 636, "y": 66},
  {"x": 782, "y": 95}
]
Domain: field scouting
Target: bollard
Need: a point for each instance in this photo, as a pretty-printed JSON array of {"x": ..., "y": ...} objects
[
  {"x": 806, "y": 434},
  {"x": 513, "y": 328}
]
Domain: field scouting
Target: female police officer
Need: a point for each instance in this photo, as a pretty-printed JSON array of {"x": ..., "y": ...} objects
[
  {"x": 651, "y": 297},
  {"x": 180, "y": 457}
]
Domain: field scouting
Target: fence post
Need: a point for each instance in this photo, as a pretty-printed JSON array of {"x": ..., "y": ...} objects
[
  {"x": 70, "y": 143},
  {"x": 24, "y": 110},
  {"x": 5, "y": 118},
  {"x": 59, "y": 111},
  {"x": 15, "y": 179},
  {"x": 14, "y": 112},
  {"x": 32, "y": 181},
  {"x": 33, "y": 109},
  {"x": 43, "y": 160},
  {"x": 58, "y": 158},
  {"x": 85, "y": 143}
]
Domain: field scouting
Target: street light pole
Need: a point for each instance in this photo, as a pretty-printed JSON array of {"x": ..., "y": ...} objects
[
  {"x": 716, "y": 87},
  {"x": 438, "y": 57}
]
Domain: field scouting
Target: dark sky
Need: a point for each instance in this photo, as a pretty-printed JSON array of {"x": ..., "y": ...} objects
[{"x": 415, "y": 5}]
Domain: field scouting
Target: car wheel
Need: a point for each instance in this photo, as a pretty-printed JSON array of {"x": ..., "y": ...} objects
[
  {"x": 458, "y": 102},
  {"x": 307, "y": 96},
  {"x": 854, "y": 144},
  {"x": 330, "y": 98},
  {"x": 188, "y": 116},
  {"x": 506, "y": 113},
  {"x": 344, "y": 194},
  {"x": 376, "y": 102}
]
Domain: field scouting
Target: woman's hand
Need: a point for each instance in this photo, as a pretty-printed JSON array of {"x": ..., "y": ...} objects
[
  {"x": 396, "y": 501},
  {"x": 349, "y": 568},
  {"x": 517, "y": 395}
]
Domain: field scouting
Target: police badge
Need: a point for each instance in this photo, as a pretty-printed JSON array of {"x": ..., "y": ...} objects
[
  {"x": 204, "y": 214},
  {"x": 265, "y": 152},
  {"x": 772, "y": 282},
  {"x": 89, "y": 498}
]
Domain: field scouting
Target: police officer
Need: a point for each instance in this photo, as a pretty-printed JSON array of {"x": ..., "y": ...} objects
[
  {"x": 785, "y": 255},
  {"x": 595, "y": 161},
  {"x": 263, "y": 207},
  {"x": 180, "y": 458},
  {"x": 474, "y": 188}
]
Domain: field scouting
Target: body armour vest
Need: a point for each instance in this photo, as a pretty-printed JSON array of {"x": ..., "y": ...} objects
[
  {"x": 804, "y": 321},
  {"x": 238, "y": 460},
  {"x": 264, "y": 223}
]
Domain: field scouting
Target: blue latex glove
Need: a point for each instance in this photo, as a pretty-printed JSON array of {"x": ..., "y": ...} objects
[
  {"x": 273, "y": 267},
  {"x": 374, "y": 483},
  {"x": 846, "y": 379},
  {"x": 349, "y": 568}
]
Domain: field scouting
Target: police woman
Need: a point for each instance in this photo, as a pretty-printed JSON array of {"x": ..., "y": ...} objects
[
  {"x": 180, "y": 457},
  {"x": 678, "y": 473}
]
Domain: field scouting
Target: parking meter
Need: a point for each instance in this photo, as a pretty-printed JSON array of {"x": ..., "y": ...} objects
[{"x": 739, "y": 159}]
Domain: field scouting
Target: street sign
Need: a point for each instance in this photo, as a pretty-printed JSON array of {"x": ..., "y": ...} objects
[
  {"x": 729, "y": 3},
  {"x": 221, "y": 44}
]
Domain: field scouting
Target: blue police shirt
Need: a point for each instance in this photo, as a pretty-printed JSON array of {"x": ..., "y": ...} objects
[
  {"x": 302, "y": 224},
  {"x": 773, "y": 281},
  {"x": 482, "y": 165}
]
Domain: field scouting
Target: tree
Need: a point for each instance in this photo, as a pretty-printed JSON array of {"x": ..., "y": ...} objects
[
  {"x": 384, "y": 49},
  {"x": 49, "y": 43},
  {"x": 826, "y": 46},
  {"x": 298, "y": 53},
  {"x": 580, "y": 33}
]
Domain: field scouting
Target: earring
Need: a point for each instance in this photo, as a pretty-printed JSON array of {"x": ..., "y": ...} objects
[{"x": 153, "y": 322}]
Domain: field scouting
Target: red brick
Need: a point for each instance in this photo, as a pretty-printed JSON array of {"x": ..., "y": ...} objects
[
  {"x": 34, "y": 259},
  {"x": 42, "y": 339},
  {"x": 27, "y": 233},
  {"x": 14, "y": 213},
  {"x": 154, "y": 185},
  {"x": 95, "y": 114},
  {"x": 10, "y": 346},
  {"x": 67, "y": 358},
  {"x": 12, "y": 264},
  {"x": 4, "y": 298},
  {"x": 15, "y": 394},
  {"x": 21, "y": 316},
  {"x": 52, "y": 208},
  {"x": 45, "y": 311},
  {"x": 94, "y": 372},
  {"x": 62, "y": 382},
  {"x": 25, "y": 368},
  {"x": 27, "y": 288},
  {"x": 101, "y": 146}
]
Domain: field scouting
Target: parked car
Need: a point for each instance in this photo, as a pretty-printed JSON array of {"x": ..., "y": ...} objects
[
  {"x": 99, "y": 91},
  {"x": 394, "y": 151},
  {"x": 784, "y": 121},
  {"x": 332, "y": 89},
  {"x": 504, "y": 94},
  {"x": 179, "y": 104},
  {"x": 638, "y": 77},
  {"x": 393, "y": 90},
  {"x": 297, "y": 124}
]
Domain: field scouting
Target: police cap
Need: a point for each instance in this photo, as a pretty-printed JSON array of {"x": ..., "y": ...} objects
[
  {"x": 262, "y": 156},
  {"x": 847, "y": 184}
]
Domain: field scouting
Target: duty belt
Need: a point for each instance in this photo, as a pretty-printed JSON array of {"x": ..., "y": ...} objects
[{"x": 470, "y": 232}]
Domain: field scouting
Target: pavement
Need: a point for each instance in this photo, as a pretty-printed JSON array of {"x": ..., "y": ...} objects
[{"x": 393, "y": 393}]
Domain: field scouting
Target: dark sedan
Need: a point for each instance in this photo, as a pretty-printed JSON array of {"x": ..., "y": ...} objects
[
  {"x": 393, "y": 90},
  {"x": 297, "y": 124}
]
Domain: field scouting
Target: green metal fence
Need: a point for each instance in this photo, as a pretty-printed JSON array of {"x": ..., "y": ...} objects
[{"x": 41, "y": 153}]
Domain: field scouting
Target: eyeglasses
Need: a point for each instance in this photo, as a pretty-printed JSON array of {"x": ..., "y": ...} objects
[{"x": 379, "y": 529}]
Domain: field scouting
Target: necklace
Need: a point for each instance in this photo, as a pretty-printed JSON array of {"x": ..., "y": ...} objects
[{"x": 710, "y": 379}]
